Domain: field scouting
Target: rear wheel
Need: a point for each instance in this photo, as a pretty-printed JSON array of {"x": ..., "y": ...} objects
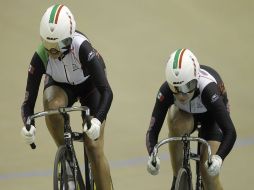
[{"x": 183, "y": 180}]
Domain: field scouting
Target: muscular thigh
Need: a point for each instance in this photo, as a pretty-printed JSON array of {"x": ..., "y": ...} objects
[
  {"x": 180, "y": 122},
  {"x": 54, "y": 97},
  {"x": 57, "y": 94}
]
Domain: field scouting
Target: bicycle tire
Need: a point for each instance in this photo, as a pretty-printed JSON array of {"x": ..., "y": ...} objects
[
  {"x": 60, "y": 180},
  {"x": 59, "y": 174},
  {"x": 183, "y": 180}
]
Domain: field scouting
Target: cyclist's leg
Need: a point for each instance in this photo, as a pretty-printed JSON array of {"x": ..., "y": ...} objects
[
  {"x": 179, "y": 123},
  {"x": 54, "y": 96},
  {"x": 211, "y": 132},
  {"x": 209, "y": 182},
  {"x": 100, "y": 166},
  {"x": 95, "y": 149}
]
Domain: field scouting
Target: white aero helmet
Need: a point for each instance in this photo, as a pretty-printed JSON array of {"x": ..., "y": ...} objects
[
  {"x": 182, "y": 71},
  {"x": 57, "y": 26}
]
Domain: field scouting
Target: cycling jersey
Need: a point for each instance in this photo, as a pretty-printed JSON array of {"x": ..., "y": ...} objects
[
  {"x": 209, "y": 97},
  {"x": 68, "y": 69},
  {"x": 76, "y": 65}
]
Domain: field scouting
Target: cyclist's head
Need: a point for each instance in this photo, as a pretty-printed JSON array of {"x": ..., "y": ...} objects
[
  {"x": 182, "y": 72},
  {"x": 57, "y": 28}
]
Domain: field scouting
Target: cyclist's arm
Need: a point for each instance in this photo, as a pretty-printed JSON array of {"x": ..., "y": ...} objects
[
  {"x": 35, "y": 72},
  {"x": 214, "y": 103},
  {"x": 93, "y": 64},
  {"x": 164, "y": 100}
]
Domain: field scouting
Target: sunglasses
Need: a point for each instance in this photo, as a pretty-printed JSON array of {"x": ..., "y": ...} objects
[
  {"x": 185, "y": 89},
  {"x": 59, "y": 47}
]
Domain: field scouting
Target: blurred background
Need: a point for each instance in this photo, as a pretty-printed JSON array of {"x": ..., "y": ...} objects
[{"x": 135, "y": 39}]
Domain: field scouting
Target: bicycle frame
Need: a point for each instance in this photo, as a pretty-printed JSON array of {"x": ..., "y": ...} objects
[
  {"x": 69, "y": 137},
  {"x": 187, "y": 154}
]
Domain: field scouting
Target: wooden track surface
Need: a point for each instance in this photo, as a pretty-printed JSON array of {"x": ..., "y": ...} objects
[{"x": 135, "y": 38}]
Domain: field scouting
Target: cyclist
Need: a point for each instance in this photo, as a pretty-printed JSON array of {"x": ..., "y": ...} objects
[
  {"x": 74, "y": 71},
  {"x": 192, "y": 95}
]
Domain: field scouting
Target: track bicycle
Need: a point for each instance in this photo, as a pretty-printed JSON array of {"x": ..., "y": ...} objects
[
  {"x": 184, "y": 176},
  {"x": 65, "y": 158}
]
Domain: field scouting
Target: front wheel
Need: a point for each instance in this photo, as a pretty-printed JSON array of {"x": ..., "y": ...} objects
[
  {"x": 60, "y": 178},
  {"x": 183, "y": 180}
]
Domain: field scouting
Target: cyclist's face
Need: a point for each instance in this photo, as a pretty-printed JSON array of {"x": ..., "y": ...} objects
[
  {"x": 184, "y": 97},
  {"x": 52, "y": 49},
  {"x": 57, "y": 49}
]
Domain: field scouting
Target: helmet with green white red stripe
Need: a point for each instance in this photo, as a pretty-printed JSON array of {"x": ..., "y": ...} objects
[
  {"x": 182, "y": 71},
  {"x": 57, "y": 24}
]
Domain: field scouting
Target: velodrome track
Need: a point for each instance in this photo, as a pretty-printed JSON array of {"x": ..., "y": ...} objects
[{"x": 135, "y": 39}]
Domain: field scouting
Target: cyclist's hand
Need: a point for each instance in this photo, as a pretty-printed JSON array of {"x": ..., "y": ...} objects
[
  {"x": 94, "y": 131},
  {"x": 214, "y": 168},
  {"x": 153, "y": 168},
  {"x": 29, "y": 136}
]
